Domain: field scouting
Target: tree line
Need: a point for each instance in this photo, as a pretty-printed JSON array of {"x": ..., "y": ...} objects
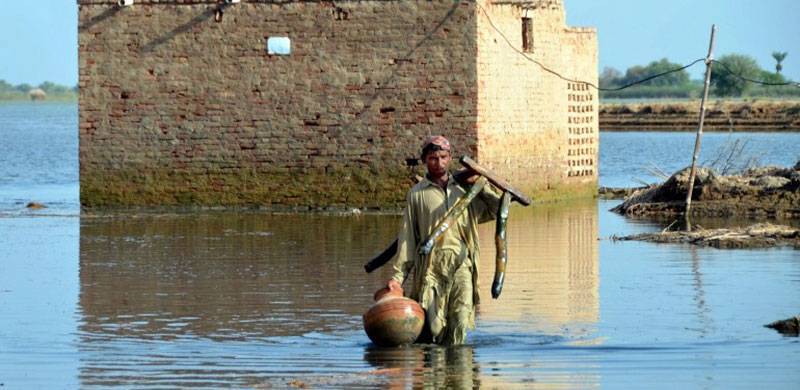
[
  {"x": 679, "y": 85},
  {"x": 672, "y": 85},
  {"x": 22, "y": 91}
]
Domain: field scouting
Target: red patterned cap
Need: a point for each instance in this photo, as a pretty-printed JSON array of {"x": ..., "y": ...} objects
[{"x": 434, "y": 143}]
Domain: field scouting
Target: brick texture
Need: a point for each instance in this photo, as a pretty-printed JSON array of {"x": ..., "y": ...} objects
[
  {"x": 179, "y": 108},
  {"x": 535, "y": 127}
]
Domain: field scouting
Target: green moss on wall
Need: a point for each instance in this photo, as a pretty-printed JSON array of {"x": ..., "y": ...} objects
[
  {"x": 343, "y": 188},
  {"x": 563, "y": 192}
]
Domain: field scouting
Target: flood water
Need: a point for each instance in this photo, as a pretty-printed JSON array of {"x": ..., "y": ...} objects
[{"x": 246, "y": 299}]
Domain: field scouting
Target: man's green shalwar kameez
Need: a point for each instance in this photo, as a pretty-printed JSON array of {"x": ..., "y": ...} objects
[{"x": 445, "y": 283}]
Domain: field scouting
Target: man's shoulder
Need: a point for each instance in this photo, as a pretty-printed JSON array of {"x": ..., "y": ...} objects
[
  {"x": 421, "y": 186},
  {"x": 417, "y": 190}
]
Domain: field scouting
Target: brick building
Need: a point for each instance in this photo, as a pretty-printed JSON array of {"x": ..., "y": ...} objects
[{"x": 322, "y": 103}]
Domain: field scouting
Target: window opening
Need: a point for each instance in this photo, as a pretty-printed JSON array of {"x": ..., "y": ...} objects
[{"x": 527, "y": 35}]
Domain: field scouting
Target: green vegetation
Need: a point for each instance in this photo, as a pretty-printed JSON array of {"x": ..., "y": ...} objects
[
  {"x": 24, "y": 91},
  {"x": 677, "y": 85},
  {"x": 725, "y": 81},
  {"x": 636, "y": 73}
]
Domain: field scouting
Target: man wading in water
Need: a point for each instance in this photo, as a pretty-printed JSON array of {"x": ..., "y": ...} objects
[{"x": 445, "y": 283}]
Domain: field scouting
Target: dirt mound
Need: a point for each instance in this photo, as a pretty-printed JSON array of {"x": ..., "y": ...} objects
[
  {"x": 772, "y": 192},
  {"x": 788, "y": 327}
]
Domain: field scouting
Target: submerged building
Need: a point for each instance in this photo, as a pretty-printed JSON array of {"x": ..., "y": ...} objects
[{"x": 325, "y": 103}]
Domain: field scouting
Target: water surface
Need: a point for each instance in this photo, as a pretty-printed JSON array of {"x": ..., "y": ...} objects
[
  {"x": 38, "y": 156},
  {"x": 629, "y": 159},
  {"x": 245, "y": 299}
]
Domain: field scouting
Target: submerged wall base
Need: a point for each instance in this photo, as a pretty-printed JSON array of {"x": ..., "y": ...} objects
[
  {"x": 245, "y": 188},
  {"x": 345, "y": 188}
]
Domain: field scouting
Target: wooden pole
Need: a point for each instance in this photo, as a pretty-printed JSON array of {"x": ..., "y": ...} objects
[{"x": 707, "y": 83}]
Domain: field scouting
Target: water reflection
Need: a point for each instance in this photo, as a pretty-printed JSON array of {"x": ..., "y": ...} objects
[
  {"x": 252, "y": 299},
  {"x": 704, "y": 317},
  {"x": 229, "y": 300},
  {"x": 224, "y": 276},
  {"x": 425, "y": 367},
  {"x": 553, "y": 278},
  {"x": 176, "y": 300}
]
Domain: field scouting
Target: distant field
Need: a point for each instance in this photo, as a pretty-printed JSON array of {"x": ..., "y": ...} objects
[
  {"x": 23, "y": 96},
  {"x": 748, "y": 114},
  {"x": 683, "y": 115}
]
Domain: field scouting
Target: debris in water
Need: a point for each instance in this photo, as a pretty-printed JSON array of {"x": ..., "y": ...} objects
[
  {"x": 297, "y": 384},
  {"x": 758, "y": 192},
  {"x": 617, "y": 192},
  {"x": 760, "y": 235},
  {"x": 787, "y": 327}
]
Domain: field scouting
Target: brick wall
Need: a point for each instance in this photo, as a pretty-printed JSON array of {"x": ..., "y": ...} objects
[
  {"x": 529, "y": 126},
  {"x": 178, "y": 108},
  {"x": 583, "y": 106}
]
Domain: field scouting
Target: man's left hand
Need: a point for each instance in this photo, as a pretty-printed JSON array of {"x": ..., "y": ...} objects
[{"x": 466, "y": 176}]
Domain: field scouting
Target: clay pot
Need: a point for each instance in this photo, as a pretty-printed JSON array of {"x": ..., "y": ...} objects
[{"x": 394, "y": 319}]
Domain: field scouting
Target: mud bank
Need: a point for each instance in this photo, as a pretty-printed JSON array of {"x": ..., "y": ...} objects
[
  {"x": 762, "y": 235},
  {"x": 787, "y": 327},
  {"x": 683, "y": 116},
  {"x": 617, "y": 192},
  {"x": 767, "y": 192}
]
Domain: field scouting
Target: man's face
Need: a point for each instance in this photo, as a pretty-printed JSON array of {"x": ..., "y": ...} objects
[{"x": 437, "y": 162}]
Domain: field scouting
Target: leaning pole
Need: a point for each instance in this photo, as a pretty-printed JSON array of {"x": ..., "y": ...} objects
[{"x": 693, "y": 171}]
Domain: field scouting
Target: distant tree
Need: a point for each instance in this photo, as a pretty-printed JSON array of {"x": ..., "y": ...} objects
[
  {"x": 727, "y": 84},
  {"x": 4, "y": 86},
  {"x": 24, "y": 87},
  {"x": 770, "y": 77},
  {"x": 779, "y": 57},
  {"x": 636, "y": 73},
  {"x": 47, "y": 86},
  {"x": 610, "y": 77},
  {"x": 52, "y": 88}
]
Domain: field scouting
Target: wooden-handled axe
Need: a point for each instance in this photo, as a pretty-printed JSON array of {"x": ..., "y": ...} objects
[{"x": 472, "y": 167}]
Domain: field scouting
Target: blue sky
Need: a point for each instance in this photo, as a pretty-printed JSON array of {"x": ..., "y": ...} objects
[
  {"x": 38, "y": 38},
  {"x": 638, "y": 31}
]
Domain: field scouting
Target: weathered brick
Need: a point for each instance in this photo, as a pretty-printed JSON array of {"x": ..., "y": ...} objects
[{"x": 165, "y": 88}]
